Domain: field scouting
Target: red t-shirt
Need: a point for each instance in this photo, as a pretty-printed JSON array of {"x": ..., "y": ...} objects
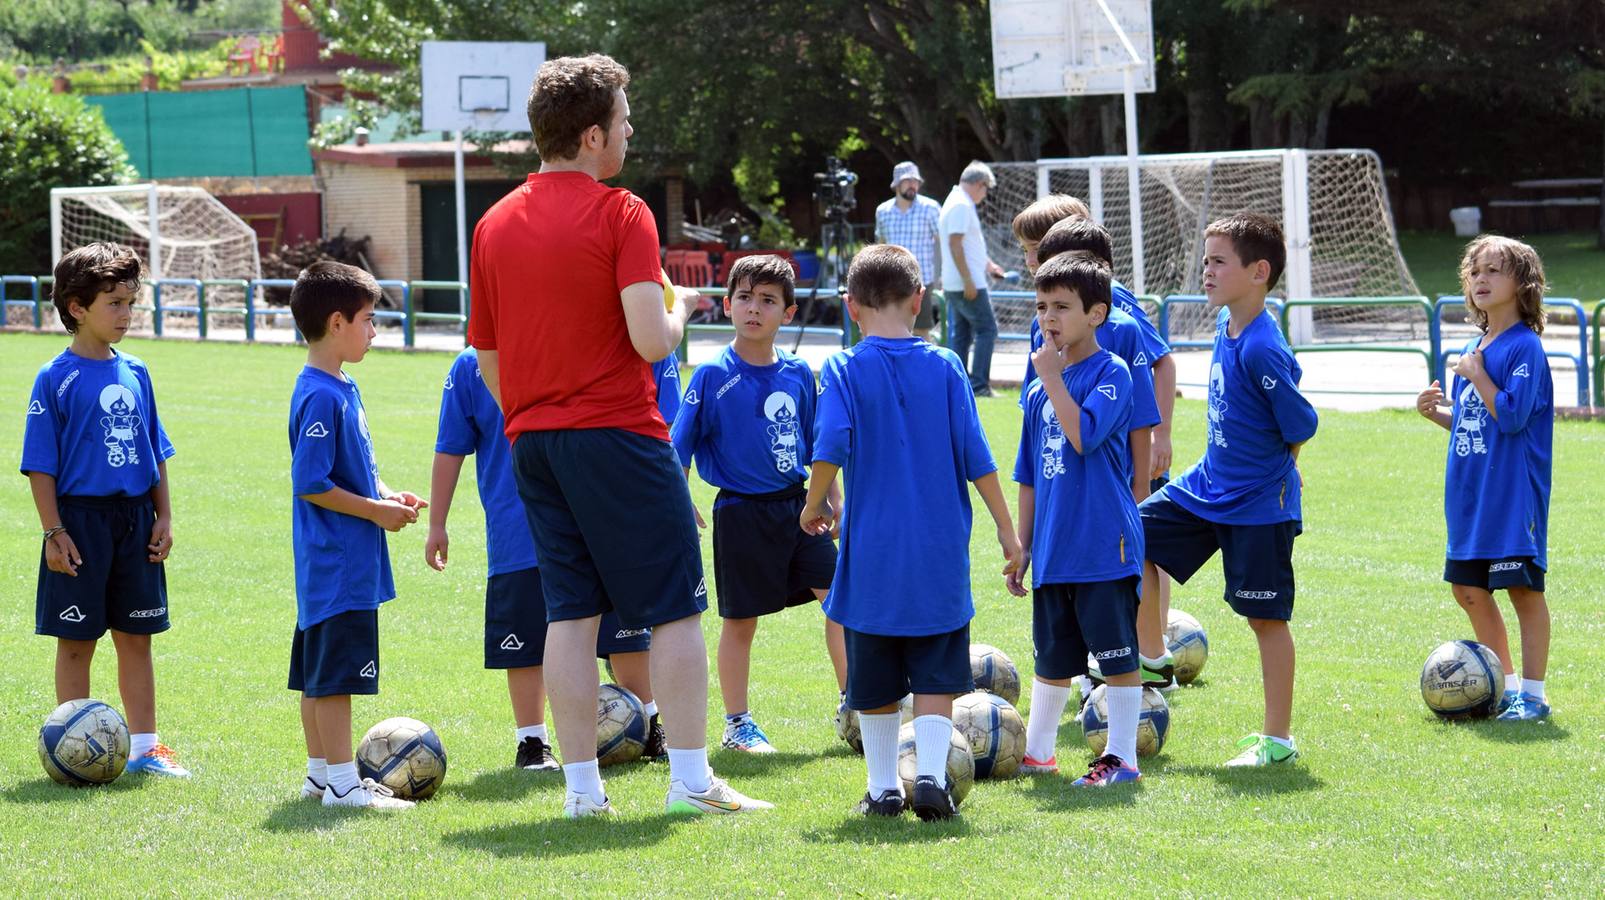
[{"x": 550, "y": 260}]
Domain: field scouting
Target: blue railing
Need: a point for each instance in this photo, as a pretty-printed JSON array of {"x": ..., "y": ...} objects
[{"x": 1579, "y": 359}]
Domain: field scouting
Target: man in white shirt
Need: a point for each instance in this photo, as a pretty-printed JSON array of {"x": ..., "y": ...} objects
[
  {"x": 910, "y": 220},
  {"x": 965, "y": 266}
]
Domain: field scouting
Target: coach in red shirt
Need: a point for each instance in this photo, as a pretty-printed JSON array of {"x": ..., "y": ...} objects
[{"x": 568, "y": 314}]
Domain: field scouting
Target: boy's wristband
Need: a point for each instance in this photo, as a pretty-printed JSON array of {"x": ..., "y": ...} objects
[{"x": 52, "y": 532}]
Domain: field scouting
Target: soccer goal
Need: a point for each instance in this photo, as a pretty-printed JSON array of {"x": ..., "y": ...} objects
[
  {"x": 1332, "y": 205},
  {"x": 180, "y": 232}
]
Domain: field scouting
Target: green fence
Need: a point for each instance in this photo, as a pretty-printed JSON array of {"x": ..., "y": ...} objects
[{"x": 252, "y": 132}]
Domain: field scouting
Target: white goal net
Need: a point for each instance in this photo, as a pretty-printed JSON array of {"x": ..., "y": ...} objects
[{"x": 1332, "y": 205}]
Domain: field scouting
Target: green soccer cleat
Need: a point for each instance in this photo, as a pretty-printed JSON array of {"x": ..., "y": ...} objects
[
  {"x": 719, "y": 799},
  {"x": 1260, "y": 750}
]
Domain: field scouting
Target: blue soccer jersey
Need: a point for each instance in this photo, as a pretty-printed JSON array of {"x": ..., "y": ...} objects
[
  {"x": 1124, "y": 300},
  {"x": 749, "y": 428},
  {"x": 92, "y": 425},
  {"x": 666, "y": 375},
  {"x": 1085, "y": 526},
  {"x": 1120, "y": 335},
  {"x": 899, "y": 417},
  {"x": 1496, "y": 483},
  {"x": 1255, "y": 414},
  {"x": 342, "y": 563}
]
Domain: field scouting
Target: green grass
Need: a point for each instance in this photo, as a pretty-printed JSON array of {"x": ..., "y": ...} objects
[
  {"x": 1573, "y": 262},
  {"x": 1388, "y": 801}
]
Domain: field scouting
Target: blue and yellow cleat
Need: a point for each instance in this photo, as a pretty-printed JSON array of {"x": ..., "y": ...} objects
[
  {"x": 1527, "y": 708},
  {"x": 745, "y": 735},
  {"x": 1108, "y": 770},
  {"x": 161, "y": 761}
]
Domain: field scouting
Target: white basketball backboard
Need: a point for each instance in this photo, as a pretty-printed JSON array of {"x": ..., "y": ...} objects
[
  {"x": 478, "y": 85},
  {"x": 1067, "y": 48}
]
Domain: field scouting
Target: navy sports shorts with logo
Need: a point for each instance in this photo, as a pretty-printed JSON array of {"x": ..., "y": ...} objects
[
  {"x": 883, "y": 669},
  {"x": 611, "y": 512},
  {"x": 1257, "y": 559},
  {"x": 1495, "y": 574},
  {"x": 1069, "y": 621},
  {"x": 762, "y": 562},
  {"x": 117, "y": 586},
  {"x": 515, "y": 624},
  {"x": 337, "y": 656}
]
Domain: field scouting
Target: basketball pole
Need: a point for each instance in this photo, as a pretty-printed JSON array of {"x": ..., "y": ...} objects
[
  {"x": 462, "y": 210},
  {"x": 1133, "y": 169}
]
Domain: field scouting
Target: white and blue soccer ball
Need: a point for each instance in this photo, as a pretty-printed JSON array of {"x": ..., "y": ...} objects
[
  {"x": 1188, "y": 645},
  {"x": 621, "y": 726},
  {"x": 995, "y": 672},
  {"x": 404, "y": 755},
  {"x": 1462, "y": 680},
  {"x": 1153, "y": 721},
  {"x": 84, "y": 742},
  {"x": 960, "y": 764},
  {"x": 995, "y": 731}
]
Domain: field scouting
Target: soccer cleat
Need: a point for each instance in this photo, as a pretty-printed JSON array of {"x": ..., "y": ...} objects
[
  {"x": 1107, "y": 770},
  {"x": 535, "y": 755},
  {"x": 720, "y": 798},
  {"x": 984, "y": 392},
  {"x": 1161, "y": 677},
  {"x": 1049, "y": 766},
  {"x": 311, "y": 790},
  {"x": 159, "y": 761},
  {"x": 368, "y": 794},
  {"x": 744, "y": 734},
  {"x": 1526, "y": 708},
  {"x": 889, "y": 803},
  {"x": 933, "y": 801},
  {"x": 1507, "y": 701},
  {"x": 1260, "y": 750},
  {"x": 579, "y": 805},
  {"x": 657, "y": 742}
]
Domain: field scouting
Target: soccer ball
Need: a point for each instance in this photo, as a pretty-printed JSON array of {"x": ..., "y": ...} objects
[
  {"x": 995, "y": 732},
  {"x": 1462, "y": 680},
  {"x": 83, "y": 742},
  {"x": 960, "y": 764},
  {"x": 620, "y": 726},
  {"x": 1188, "y": 645},
  {"x": 404, "y": 755},
  {"x": 1153, "y": 721},
  {"x": 847, "y": 722},
  {"x": 995, "y": 672}
]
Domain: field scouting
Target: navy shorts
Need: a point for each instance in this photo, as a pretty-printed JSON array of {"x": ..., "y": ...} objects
[
  {"x": 611, "y": 512},
  {"x": 1257, "y": 559},
  {"x": 337, "y": 656},
  {"x": 1155, "y": 484},
  {"x": 883, "y": 669},
  {"x": 1068, "y": 621},
  {"x": 762, "y": 561},
  {"x": 515, "y": 624},
  {"x": 117, "y": 586},
  {"x": 1495, "y": 574}
]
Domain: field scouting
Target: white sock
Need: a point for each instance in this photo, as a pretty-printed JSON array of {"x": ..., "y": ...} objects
[
  {"x": 1285, "y": 742},
  {"x": 880, "y": 751},
  {"x": 735, "y": 718},
  {"x": 318, "y": 771},
  {"x": 1512, "y": 681},
  {"x": 1083, "y": 684},
  {"x": 1532, "y": 688},
  {"x": 1125, "y": 705},
  {"x": 1042, "y": 728},
  {"x": 343, "y": 777},
  {"x": 141, "y": 744},
  {"x": 531, "y": 731},
  {"x": 585, "y": 778},
  {"x": 690, "y": 767},
  {"x": 651, "y": 708},
  {"x": 1155, "y": 663},
  {"x": 933, "y": 735}
]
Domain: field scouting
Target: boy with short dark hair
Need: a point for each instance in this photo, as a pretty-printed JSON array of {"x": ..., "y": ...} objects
[
  {"x": 342, "y": 510},
  {"x": 1076, "y": 508},
  {"x": 1243, "y": 497},
  {"x": 95, "y": 454},
  {"x": 748, "y": 421},
  {"x": 899, "y": 415}
]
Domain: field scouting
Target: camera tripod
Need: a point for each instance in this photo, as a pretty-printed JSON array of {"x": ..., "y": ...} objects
[{"x": 835, "y": 254}]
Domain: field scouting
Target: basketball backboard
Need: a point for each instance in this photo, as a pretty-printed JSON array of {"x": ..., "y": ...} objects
[
  {"x": 1067, "y": 48},
  {"x": 478, "y": 85}
]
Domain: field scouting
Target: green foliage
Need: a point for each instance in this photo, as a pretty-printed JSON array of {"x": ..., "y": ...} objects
[
  {"x": 52, "y": 140},
  {"x": 40, "y": 31},
  {"x": 120, "y": 74}
]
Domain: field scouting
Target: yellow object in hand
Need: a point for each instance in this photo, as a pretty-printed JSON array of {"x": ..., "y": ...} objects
[{"x": 668, "y": 291}]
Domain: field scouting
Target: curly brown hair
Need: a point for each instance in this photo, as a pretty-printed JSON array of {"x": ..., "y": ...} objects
[
  {"x": 570, "y": 94},
  {"x": 1524, "y": 267}
]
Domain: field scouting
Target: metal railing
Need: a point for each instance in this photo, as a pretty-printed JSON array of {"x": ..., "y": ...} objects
[
  {"x": 847, "y": 332},
  {"x": 1427, "y": 355},
  {"x": 1579, "y": 359},
  {"x": 1271, "y": 303}
]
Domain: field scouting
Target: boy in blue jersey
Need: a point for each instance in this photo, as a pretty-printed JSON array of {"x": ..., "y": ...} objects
[
  {"x": 1077, "y": 510},
  {"x": 515, "y": 608},
  {"x": 95, "y": 454},
  {"x": 1242, "y": 497},
  {"x": 1501, "y": 423},
  {"x": 748, "y": 422},
  {"x": 898, "y": 414},
  {"x": 342, "y": 510}
]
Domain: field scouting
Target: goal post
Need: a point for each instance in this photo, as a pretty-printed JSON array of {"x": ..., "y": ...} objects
[{"x": 180, "y": 232}]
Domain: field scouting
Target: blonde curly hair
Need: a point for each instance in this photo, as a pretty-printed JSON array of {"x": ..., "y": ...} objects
[{"x": 1524, "y": 267}]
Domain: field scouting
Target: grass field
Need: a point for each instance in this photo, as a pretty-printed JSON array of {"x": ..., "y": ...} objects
[
  {"x": 1388, "y": 801},
  {"x": 1573, "y": 262}
]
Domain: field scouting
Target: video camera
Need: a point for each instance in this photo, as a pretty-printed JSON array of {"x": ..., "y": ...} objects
[{"x": 834, "y": 190}]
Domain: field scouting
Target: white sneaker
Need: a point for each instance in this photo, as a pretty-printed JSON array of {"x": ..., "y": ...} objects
[
  {"x": 369, "y": 794},
  {"x": 579, "y": 805},
  {"x": 719, "y": 798},
  {"x": 311, "y": 790}
]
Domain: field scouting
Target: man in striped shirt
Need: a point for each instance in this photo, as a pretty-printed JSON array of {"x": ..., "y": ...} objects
[{"x": 909, "y": 220}]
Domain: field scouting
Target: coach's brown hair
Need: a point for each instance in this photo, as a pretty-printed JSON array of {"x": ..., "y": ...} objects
[
  {"x": 883, "y": 275},
  {"x": 570, "y": 94},
  {"x": 89, "y": 271}
]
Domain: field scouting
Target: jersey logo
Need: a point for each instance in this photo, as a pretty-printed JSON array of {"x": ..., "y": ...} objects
[
  {"x": 71, "y": 614},
  {"x": 73, "y": 376},
  {"x": 1052, "y": 451},
  {"x": 1268, "y": 383},
  {"x": 121, "y": 424},
  {"x": 820, "y": 389},
  {"x": 1468, "y": 431},
  {"x": 1504, "y": 567},
  {"x": 1215, "y": 416},
  {"x": 371, "y": 670},
  {"x": 1521, "y": 371},
  {"x": 316, "y": 430},
  {"x": 449, "y": 383},
  {"x": 702, "y": 588},
  {"x": 511, "y": 642},
  {"x": 36, "y": 408},
  {"x": 1108, "y": 390},
  {"x": 1141, "y": 360},
  {"x": 784, "y": 432},
  {"x": 691, "y": 398},
  {"x": 727, "y": 386}
]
